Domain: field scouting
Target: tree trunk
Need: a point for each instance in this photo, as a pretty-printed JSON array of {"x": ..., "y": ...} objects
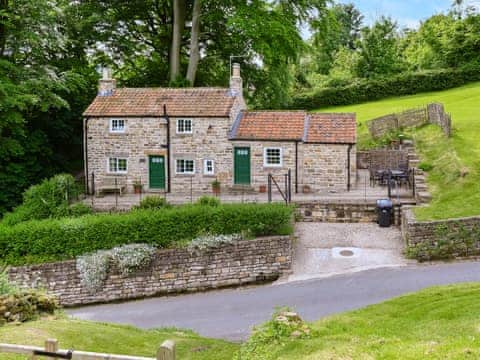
[
  {"x": 3, "y": 30},
  {"x": 194, "y": 43},
  {"x": 179, "y": 10}
]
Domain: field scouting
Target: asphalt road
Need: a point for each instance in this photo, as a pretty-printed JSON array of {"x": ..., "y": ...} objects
[{"x": 231, "y": 314}]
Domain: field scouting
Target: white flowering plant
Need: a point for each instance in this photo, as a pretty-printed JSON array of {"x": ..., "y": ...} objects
[
  {"x": 132, "y": 257},
  {"x": 210, "y": 241},
  {"x": 93, "y": 268}
]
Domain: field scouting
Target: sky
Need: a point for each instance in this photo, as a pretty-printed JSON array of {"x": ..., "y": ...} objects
[{"x": 408, "y": 13}]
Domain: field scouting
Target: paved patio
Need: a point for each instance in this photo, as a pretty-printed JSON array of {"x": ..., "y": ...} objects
[
  {"x": 325, "y": 249},
  {"x": 360, "y": 192}
]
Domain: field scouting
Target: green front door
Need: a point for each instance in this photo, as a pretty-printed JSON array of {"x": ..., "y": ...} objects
[
  {"x": 157, "y": 172},
  {"x": 241, "y": 165}
]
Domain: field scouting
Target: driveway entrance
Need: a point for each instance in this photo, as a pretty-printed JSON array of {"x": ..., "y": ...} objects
[{"x": 325, "y": 249}]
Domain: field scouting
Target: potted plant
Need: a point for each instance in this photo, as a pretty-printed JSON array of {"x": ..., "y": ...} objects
[
  {"x": 263, "y": 188},
  {"x": 137, "y": 187},
  {"x": 216, "y": 187}
]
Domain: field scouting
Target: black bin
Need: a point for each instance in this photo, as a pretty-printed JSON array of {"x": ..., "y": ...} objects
[{"x": 384, "y": 212}]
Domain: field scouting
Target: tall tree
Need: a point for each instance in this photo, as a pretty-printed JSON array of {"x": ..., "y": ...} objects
[
  {"x": 379, "y": 50},
  {"x": 179, "y": 13},
  {"x": 194, "y": 43}
]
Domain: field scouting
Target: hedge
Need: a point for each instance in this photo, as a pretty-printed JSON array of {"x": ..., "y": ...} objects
[
  {"x": 57, "y": 239},
  {"x": 403, "y": 84}
]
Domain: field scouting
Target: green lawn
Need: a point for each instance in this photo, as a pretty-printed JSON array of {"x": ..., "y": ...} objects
[
  {"x": 113, "y": 339},
  {"x": 437, "y": 323},
  {"x": 454, "y": 195}
]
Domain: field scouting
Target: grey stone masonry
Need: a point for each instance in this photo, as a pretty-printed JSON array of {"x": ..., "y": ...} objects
[
  {"x": 172, "y": 271},
  {"x": 426, "y": 238}
]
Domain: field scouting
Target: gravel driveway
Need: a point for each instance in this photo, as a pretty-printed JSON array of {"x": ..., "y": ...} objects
[{"x": 325, "y": 249}]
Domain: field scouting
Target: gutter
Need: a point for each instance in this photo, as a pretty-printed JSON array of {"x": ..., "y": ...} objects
[
  {"x": 167, "y": 118},
  {"x": 348, "y": 167},
  {"x": 296, "y": 167},
  {"x": 85, "y": 153}
]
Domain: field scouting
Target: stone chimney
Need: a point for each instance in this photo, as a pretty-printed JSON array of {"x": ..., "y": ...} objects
[
  {"x": 236, "y": 86},
  {"x": 106, "y": 85}
]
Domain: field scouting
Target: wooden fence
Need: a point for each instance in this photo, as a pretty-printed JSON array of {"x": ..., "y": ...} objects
[{"x": 166, "y": 351}]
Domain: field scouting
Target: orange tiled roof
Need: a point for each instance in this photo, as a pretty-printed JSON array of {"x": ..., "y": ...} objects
[
  {"x": 332, "y": 128},
  {"x": 270, "y": 125},
  {"x": 295, "y": 125},
  {"x": 150, "y": 101}
]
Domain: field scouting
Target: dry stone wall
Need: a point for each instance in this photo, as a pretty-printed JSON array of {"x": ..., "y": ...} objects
[
  {"x": 433, "y": 113},
  {"x": 440, "y": 239},
  {"x": 172, "y": 271}
]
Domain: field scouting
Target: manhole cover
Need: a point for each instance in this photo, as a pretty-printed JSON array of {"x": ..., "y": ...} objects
[{"x": 346, "y": 253}]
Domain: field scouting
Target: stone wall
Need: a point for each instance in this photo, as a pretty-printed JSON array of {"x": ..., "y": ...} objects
[
  {"x": 437, "y": 115},
  {"x": 324, "y": 167},
  {"x": 433, "y": 113},
  {"x": 341, "y": 211},
  {"x": 142, "y": 137},
  {"x": 209, "y": 140},
  {"x": 172, "y": 271},
  {"x": 440, "y": 239},
  {"x": 321, "y": 167}
]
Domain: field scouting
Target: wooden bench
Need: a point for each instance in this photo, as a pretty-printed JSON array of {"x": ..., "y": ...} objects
[{"x": 111, "y": 184}]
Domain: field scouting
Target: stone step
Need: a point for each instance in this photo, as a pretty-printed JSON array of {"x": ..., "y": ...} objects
[
  {"x": 424, "y": 196},
  {"x": 413, "y": 163},
  {"x": 241, "y": 189},
  {"x": 421, "y": 187}
]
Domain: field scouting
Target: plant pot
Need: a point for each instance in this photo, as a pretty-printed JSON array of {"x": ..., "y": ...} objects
[
  {"x": 137, "y": 189},
  {"x": 262, "y": 188},
  {"x": 306, "y": 189},
  {"x": 216, "y": 190}
]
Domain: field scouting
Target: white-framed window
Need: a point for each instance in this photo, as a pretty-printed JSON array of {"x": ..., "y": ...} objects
[
  {"x": 208, "y": 167},
  {"x": 184, "y": 126},
  {"x": 185, "y": 166},
  {"x": 272, "y": 156},
  {"x": 117, "y": 125},
  {"x": 117, "y": 165}
]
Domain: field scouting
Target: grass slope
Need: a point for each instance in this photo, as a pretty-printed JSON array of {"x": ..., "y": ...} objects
[
  {"x": 113, "y": 339},
  {"x": 437, "y": 323},
  {"x": 454, "y": 196}
]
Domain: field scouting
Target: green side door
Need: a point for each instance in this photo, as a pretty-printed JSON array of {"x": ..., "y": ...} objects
[
  {"x": 156, "y": 165},
  {"x": 241, "y": 163}
]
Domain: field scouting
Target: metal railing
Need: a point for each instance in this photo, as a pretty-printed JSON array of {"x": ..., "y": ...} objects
[{"x": 287, "y": 192}]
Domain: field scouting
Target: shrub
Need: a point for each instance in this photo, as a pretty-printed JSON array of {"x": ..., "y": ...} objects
[
  {"x": 425, "y": 166},
  {"x": 152, "y": 203},
  {"x": 49, "y": 199},
  {"x": 283, "y": 327},
  {"x": 26, "y": 305},
  {"x": 373, "y": 89},
  {"x": 57, "y": 239},
  {"x": 79, "y": 209},
  {"x": 93, "y": 268},
  {"x": 209, "y": 241},
  {"x": 6, "y": 287},
  {"x": 208, "y": 201},
  {"x": 132, "y": 257}
]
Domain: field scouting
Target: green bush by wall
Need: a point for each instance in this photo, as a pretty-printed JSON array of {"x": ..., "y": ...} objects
[
  {"x": 403, "y": 84},
  {"x": 57, "y": 239}
]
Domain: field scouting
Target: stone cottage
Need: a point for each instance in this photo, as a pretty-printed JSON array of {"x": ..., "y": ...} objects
[{"x": 175, "y": 140}]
